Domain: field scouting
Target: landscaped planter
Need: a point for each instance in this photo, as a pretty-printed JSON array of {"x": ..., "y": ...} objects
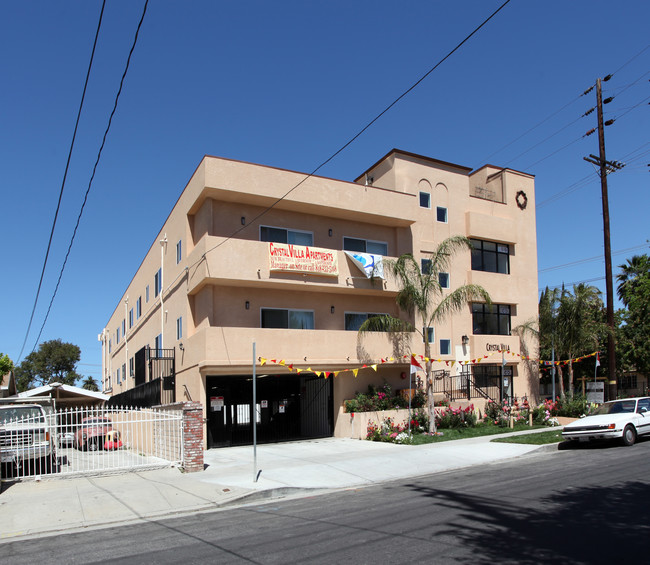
[{"x": 355, "y": 425}]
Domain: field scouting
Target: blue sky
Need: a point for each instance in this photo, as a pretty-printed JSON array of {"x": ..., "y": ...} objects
[{"x": 287, "y": 84}]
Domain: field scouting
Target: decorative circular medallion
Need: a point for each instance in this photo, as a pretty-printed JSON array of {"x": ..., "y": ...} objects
[{"x": 522, "y": 200}]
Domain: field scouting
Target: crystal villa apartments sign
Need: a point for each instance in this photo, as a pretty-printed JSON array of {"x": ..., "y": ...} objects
[{"x": 301, "y": 259}]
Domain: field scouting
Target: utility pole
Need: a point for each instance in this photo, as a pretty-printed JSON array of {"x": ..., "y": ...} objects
[{"x": 605, "y": 168}]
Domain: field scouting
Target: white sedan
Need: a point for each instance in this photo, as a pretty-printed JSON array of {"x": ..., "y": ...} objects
[{"x": 619, "y": 419}]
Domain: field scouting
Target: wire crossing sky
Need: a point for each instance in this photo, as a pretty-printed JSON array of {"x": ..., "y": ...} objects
[{"x": 281, "y": 84}]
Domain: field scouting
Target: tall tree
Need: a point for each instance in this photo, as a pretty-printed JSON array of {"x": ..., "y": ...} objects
[
  {"x": 6, "y": 365},
  {"x": 579, "y": 322},
  {"x": 55, "y": 361},
  {"x": 570, "y": 324},
  {"x": 634, "y": 333},
  {"x": 90, "y": 384},
  {"x": 549, "y": 329},
  {"x": 422, "y": 295},
  {"x": 632, "y": 274}
]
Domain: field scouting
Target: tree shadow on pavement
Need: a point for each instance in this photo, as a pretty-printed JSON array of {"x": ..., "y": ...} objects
[{"x": 575, "y": 525}]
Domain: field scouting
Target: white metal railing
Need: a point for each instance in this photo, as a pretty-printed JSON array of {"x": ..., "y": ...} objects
[{"x": 88, "y": 441}]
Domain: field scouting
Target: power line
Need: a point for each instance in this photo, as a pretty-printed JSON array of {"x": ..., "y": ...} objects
[
  {"x": 533, "y": 128},
  {"x": 65, "y": 175},
  {"x": 631, "y": 59},
  {"x": 574, "y": 283},
  {"x": 99, "y": 154},
  {"x": 590, "y": 259},
  {"x": 560, "y": 110},
  {"x": 357, "y": 135},
  {"x": 554, "y": 152},
  {"x": 544, "y": 140},
  {"x": 584, "y": 181}
]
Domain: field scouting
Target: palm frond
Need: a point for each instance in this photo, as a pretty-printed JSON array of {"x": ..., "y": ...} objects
[
  {"x": 455, "y": 301},
  {"x": 385, "y": 324}
]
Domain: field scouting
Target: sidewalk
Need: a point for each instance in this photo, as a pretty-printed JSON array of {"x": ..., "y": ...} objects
[{"x": 32, "y": 508}]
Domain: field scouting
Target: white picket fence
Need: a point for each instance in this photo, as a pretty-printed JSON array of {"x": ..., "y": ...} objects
[{"x": 90, "y": 441}]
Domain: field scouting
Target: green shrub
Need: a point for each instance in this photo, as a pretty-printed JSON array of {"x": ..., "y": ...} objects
[
  {"x": 455, "y": 418},
  {"x": 382, "y": 398}
]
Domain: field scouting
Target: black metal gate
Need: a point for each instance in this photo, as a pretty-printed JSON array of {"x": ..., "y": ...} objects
[{"x": 289, "y": 407}]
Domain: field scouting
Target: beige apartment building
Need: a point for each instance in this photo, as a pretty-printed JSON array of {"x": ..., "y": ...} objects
[{"x": 267, "y": 272}]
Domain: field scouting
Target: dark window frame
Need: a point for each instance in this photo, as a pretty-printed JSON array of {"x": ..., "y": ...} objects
[
  {"x": 272, "y": 234},
  {"x": 349, "y": 245},
  {"x": 284, "y": 318},
  {"x": 491, "y": 319},
  {"x": 366, "y": 315},
  {"x": 489, "y": 258}
]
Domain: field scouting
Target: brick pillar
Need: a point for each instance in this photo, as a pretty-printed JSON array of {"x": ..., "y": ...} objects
[{"x": 192, "y": 436}]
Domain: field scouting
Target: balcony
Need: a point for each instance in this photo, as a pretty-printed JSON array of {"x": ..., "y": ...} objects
[
  {"x": 227, "y": 350},
  {"x": 245, "y": 263}
]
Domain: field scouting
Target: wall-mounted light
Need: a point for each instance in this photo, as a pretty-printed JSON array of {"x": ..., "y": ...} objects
[
  {"x": 332, "y": 309},
  {"x": 243, "y": 220},
  {"x": 330, "y": 232},
  {"x": 181, "y": 346},
  {"x": 465, "y": 340},
  {"x": 248, "y": 305}
]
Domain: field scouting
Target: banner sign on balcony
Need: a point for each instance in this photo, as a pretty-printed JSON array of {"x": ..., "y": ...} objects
[
  {"x": 303, "y": 259},
  {"x": 369, "y": 264}
]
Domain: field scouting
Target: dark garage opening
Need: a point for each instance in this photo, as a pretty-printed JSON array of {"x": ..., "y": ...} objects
[{"x": 289, "y": 407}]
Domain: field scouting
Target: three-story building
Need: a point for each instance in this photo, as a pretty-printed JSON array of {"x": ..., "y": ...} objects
[{"x": 252, "y": 254}]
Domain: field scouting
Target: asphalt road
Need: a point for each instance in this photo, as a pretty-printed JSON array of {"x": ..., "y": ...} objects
[{"x": 581, "y": 505}]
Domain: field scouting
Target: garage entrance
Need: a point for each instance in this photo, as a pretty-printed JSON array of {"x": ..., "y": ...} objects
[{"x": 289, "y": 407}]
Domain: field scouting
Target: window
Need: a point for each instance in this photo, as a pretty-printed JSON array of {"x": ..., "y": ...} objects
[
  {"x": 493, "y": 319},
  {"x": 179, "y": 252},
  {"x": 138, "y": 308},
  {"x": 130, "y": 318},
  {"x": 628, "y": 381},
  {"x": 353, "y": 320},
  {"x": 117, "y": 335},
  {"x": 428, "y": 335},
  {"x": 158, "y": 345},
  {"x": 179, "y": 328},
  {"x": 124, "y": 328},
  {"x": 124, "y": 371},
  {"x": 441, "y": 214},
  {"x": 146, "y": 294},
  {"x": 445, "y": 347},
  {"x": 288, "y": 319},
  {"x": 490, "y": 257},
  {"x": 487, "y": 375},
  {"x": 157, "y": 283},
  {"x": 365, "y": 246},
  {"x": 443, "y": 280},
  {"x": 281, "y": 235},
  {"x": 117, "y": 376},
  {"x": 110, "y": 345},
  {"x": 425, "y": 200},
  {"x": 643, "y": 406},
  {"x": 132, "y": 367},
  {"x": 425, "y": 266}
]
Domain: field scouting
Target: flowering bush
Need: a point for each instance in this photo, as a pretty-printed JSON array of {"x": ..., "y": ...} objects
[
  {"x": 382, "y": 398},
  {"x": 388, "y": 431},
  {"x": 457, "y": 418},
  {"x": 419, "y": 421},
  {"x": 543, "y": 413},
  {"x": 497, "y": 413}
]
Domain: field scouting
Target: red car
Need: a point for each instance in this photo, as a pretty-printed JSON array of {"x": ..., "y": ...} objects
[{"x": 96, "y": 433}]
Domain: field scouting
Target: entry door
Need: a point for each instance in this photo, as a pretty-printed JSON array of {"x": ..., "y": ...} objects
[{"x": 219, "y": 417}]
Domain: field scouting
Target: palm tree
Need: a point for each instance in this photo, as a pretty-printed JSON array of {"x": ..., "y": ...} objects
[
  {"x": 90, "y": 384},
  {"x": 545, "y": 327},
  {"x": 422, "y": 294},
  {"x": 629, "y": 276}
]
